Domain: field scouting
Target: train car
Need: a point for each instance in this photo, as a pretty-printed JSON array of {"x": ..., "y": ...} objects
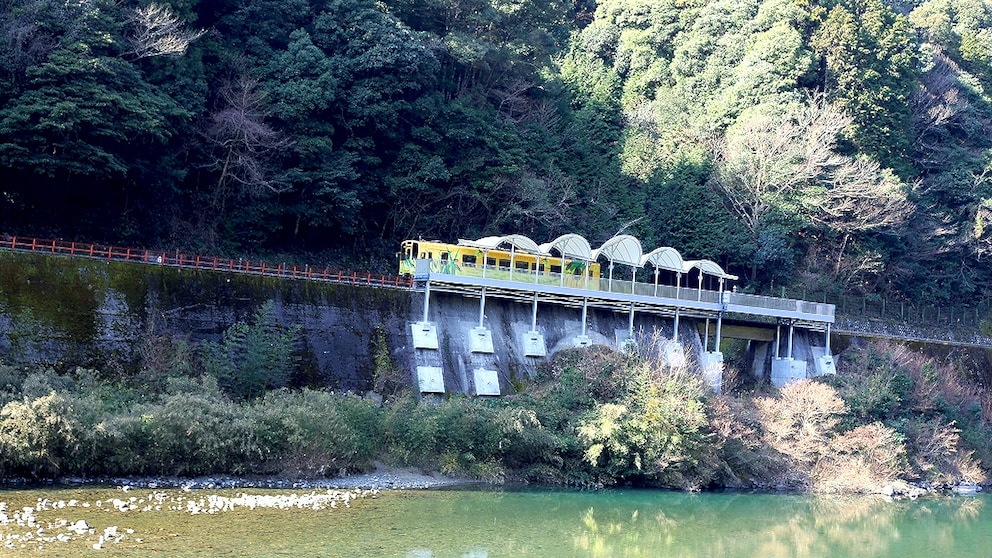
[{"x": 457, "y": 259}]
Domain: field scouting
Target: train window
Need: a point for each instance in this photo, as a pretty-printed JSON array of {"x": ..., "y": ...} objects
[
  {"x": 430, "y": 255},
  {"x": 541, "y": 268},
  {"x": 504, "y": 263},
  {"x": 522, "y": 265},
  {"x": 444, "y": 256},
  {"x": 468, "y": 260},
  {"x": 555, "y": 269},
  {"x": 416, "y": 249},
  {"x": 491, "y": 261}
]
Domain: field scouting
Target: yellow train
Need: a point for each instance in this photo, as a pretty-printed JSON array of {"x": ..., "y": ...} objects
[{"x": 471, "y": 259}]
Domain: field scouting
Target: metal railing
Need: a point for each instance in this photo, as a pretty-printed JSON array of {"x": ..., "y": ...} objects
[
  {"x": 819, "y": 311},
  {"x": 177, "y": 259}
]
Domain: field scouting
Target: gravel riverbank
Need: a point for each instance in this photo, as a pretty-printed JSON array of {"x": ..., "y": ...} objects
[
  {"x": 383, "y": 478},
  {"x": 56, "y": 520}
]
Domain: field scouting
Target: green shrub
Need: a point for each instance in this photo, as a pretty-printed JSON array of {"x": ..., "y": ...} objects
[
  {"x": 526, "y": 445},
  {"x": 44, "y": 381},
  {"x": 651, "y": 430},
  {"x": 190, "y": 433},
  {"x": 38, "y": 437},
  {"x": 874, "y": 384},
  {"x": 315, "y": 433},
  {"x": 252, "y": 357},
  {"x": 387, "y": 378},
  {"x": 410, "y": 431}
]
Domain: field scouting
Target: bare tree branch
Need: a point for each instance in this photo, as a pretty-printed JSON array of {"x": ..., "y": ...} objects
[
  {"x": 159, "y": 32},
  {"x": 246, "y": 142},
  {"x": 767, "y": 158},
  {"x": 859, "y": 196}
]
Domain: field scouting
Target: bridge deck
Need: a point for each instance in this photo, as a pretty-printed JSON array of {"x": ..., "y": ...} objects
[{"x": 621, "y": 296}]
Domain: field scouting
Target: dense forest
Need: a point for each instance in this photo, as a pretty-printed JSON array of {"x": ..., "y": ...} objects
[{"x": 829, "y": 144}]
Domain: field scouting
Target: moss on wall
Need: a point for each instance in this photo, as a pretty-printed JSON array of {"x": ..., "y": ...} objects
[
  {"x": 60, "y": 295},
  {"x": 59, "y": 310}
]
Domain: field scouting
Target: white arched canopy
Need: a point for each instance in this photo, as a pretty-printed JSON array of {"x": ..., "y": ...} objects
[
  {"x": 517, "y": 243},
  {"x": 665, "y": 258},
  {"x": 571, "y": 246},
  {"x": 707, "y": 267},
  {"x": 624, "y": 249}
]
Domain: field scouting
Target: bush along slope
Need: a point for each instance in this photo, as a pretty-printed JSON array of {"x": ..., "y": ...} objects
[{"x": 593, "y": 417}]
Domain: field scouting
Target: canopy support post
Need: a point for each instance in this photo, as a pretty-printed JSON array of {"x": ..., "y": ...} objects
[
  {"x": 533, "y": 315},
  {"x": 719, "y": 322},
  {"x": 585, "y": 313},
  {"x": 482, "y": 306},
  {"x": 427, "y": 297},
  {"x": 513, "y": 256},
  {"x": 630, "y": 325}
]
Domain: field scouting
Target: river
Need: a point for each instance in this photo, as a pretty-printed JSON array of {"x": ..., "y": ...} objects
[{"x": 486, "y": 523}]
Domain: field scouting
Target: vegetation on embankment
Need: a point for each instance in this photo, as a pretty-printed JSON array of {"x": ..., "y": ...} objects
[{"x": 594, "y": 417}]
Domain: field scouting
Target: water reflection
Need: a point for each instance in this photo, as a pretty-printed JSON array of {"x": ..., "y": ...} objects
[
  {"x": 783, "y": 526},
  {"x": 484, "y": 524}
]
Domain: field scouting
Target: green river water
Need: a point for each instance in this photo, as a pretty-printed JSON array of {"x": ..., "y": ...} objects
[{"x": 490, "y": 523}]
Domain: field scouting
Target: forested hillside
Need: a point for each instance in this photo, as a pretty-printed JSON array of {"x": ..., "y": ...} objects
[{"x": 840, "y": 145}]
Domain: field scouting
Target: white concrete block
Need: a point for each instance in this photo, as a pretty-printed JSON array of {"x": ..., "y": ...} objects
[
  {"x": 430, "y": 379},
  {"x": 534, "y": 344},
  {"x": 624, "y": 341},
  {"x": 825, "y": 366},
  {"x": 787, "y": 370},
  {"x": 424, "y": 335},
  {"x": 480, "y": 340},
  {"x": 486, "y": 382},
  {"x": 674, "y": 354},
  {"x": 711, "y": 363}
]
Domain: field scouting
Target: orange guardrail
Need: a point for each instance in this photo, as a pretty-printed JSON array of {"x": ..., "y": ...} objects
[{"x": 175, "y": 258}]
